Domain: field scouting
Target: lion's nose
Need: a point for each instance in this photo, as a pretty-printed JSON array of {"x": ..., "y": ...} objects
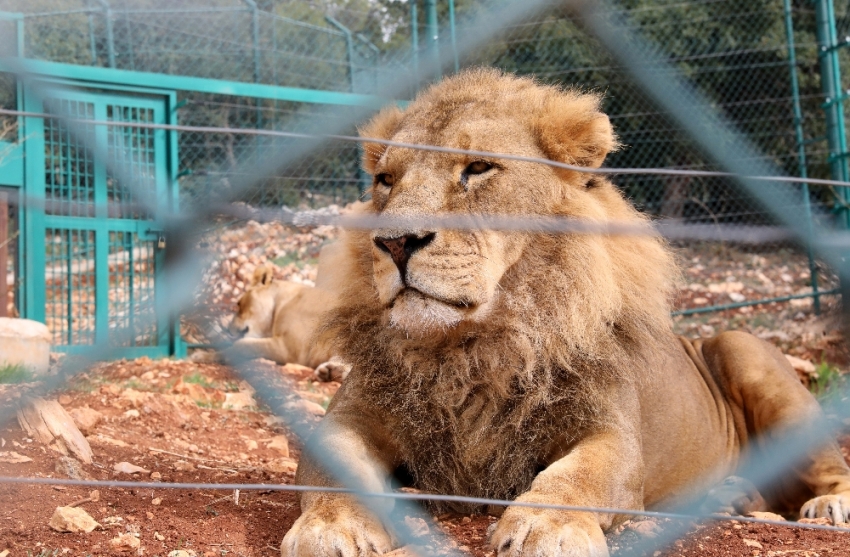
[{"x": 401, "y": 248}]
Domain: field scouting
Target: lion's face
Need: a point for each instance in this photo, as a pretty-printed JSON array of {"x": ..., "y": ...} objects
[
  {"x": 430, "y": 279},
  {"x": 255, "y": 309}
]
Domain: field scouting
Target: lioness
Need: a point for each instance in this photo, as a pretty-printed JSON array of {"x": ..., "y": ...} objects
[
  {"x": 277, "y": 320},
  {"x": 533, "y": 366}
]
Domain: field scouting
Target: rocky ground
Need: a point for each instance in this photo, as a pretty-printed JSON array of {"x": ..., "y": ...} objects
[{"x": 168, "y": 421}]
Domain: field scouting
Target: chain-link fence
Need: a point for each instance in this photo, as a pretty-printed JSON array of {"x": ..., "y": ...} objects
[
  {"x": 737, "y": 66},
  {"x": 736, "y": 53}
]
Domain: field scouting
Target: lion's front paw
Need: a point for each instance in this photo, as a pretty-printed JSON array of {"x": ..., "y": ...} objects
[
  {"x": 340, "y": 532},
  {"x": 834, "y": 507},
  {"x": 332, "y": 370},
  {"x": 534, "y": 533}
]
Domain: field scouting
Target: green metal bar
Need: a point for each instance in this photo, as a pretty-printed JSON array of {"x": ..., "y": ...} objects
[
  {"x": 92, "y": 43},
  {"x": 19, "y": 26},
  {"x": 414, "y": 37},
  {"x": 376, "y": 56},
  {"x": 801, "y": 148},
  {"x": 432, "y": 33},
  {"x": 349, "y": 45},
  {"x": 110, "y": 35},
  {"x": 831, "y": 86},
  {"x": 130, "y": 54},
  {"x": 33, "y": 227},
  {"x": 709, "y": 309},
  {"x": 146, "y": 80},
  {"x": 452, "y": 34},
  {"x": 69, "y": 250},
  {"x": 255, "y": 36},
  {"x": 129, "y": 245}
]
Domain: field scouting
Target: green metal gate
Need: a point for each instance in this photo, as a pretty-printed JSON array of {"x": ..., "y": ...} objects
[{"x": 98, "y": 251}]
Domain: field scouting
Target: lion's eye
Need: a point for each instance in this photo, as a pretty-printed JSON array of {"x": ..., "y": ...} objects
[
  {"x": 473, "y": 169},
  {"x": 477, "y": 167},
  {"x": 385, "y": 179}
]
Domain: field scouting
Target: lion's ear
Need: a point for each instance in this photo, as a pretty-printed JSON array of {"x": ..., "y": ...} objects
[
  {"x": 262, "y": 275},
  {"x": 572, "y": 129},
  {"x": 382, "y": 126}
]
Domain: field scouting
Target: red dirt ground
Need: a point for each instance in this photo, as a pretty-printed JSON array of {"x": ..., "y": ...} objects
[{"x": 168, "y": 418}]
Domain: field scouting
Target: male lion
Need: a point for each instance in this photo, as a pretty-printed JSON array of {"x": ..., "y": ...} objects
[{"x": 533, "y": 366}]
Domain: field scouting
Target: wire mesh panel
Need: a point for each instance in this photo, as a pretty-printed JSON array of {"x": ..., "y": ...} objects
[
  {"x": 132, "y": 293},
  {"x": 101, "y": 249},
  {"x": 211, "y": 162},
  {"x": 734, "y": 53},
  {"x": 69, "y": 180},
  {"x": 71, "y": 292},
  {"x": 133, "y": 151},
  {"x": 8, "y": 101}
]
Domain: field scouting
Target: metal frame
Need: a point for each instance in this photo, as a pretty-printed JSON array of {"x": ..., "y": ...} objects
[{"x": 35, "y": 222}]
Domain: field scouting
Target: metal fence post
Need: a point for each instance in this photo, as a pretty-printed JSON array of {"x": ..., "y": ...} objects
[
  {"x": 414, "y": 37},
  {"x": 801, "y": 147},
  {"x": 432, "y": 32},
  {"x": 833, "y": 105},
  {"x": 349, "y": 44},
  {"x": 110, "y": 35},
  {"x": 452, "y": 33}
]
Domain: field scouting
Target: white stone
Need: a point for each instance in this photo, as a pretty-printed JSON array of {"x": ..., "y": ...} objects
[
  {"x": 25, "y": 342},
  {"x": 72, "y": 519}
]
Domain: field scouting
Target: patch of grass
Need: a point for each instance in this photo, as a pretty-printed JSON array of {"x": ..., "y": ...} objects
[
  {"x": 14, "y": 373},
  {"x": 295, "y": 258},
  {"x": 828, "y": 381},
  {"x": 44, "y": 553},
  {"x": 198, "y": 378}
]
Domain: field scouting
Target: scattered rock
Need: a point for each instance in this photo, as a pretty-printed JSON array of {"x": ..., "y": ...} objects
[
  {"x": 158, "y": 537},
  {"x": 134, "y": 397},
  {"x": 307, "y": 406},
  {"x": 238, "y": 401},
  {"x": 156, "y": 501},
  {"x": 86, "y": 418},
  {"x": 72, "y": 519},
  {"x": 48, "y": 422},
  {"x": 183, "y": 466},
  {"x": 125, "y": 542},
  {"x": 156, "y": 476},
  {"x": 198, "y": 393},
  {"x": 70, "y": 467},
  {"x": 182, "y": 553},
  {"x": 65, "y": 400},
  {"x": 822, "y": 520},
  {"x": 131, "y": 414},
  {"x": 11, "y": 457},
  {"x": 801, "y": 365},
  {"x": 280, "y": 444},
  {"x": 763, "y": 515},
  {"x": 127, "y": 468},
  {"x": 418, "y": 526},
  {"x": 252, "y": 444},
  {"x": 282, "y": 466},
  {"x": 113, "y": 520},
  {"x": 752, "y": 543},
  {"x": 105, "y": 440},
  {"x": 645, "y": 528}
]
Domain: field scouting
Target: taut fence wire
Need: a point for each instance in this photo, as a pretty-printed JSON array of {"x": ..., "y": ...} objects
[{"x": 729, "y": 150}]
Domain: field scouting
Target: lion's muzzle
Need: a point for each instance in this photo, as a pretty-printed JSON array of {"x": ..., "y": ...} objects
[{"x": 402, "y": 247}]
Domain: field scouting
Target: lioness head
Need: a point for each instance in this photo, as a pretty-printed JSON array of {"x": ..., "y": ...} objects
[
  {"x": 255, "y": 309},
  {"x": 433, "y": 281}
]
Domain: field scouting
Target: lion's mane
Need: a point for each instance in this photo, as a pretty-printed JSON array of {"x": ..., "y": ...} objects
[{"x": 476, "y": 408}]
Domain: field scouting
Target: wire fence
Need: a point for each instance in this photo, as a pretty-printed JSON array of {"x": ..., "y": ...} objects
[{"x": 666, "y": 171}]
